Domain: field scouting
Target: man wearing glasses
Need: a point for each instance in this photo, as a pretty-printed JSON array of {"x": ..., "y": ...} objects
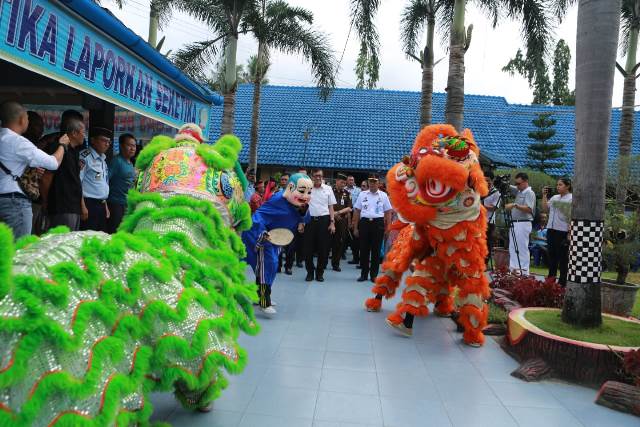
[
  {"x": 317, "y": 231},
  {"x": 94, "y": 175}
]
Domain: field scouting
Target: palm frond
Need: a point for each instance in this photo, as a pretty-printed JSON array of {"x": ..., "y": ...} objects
[
  {"x": 629, "y": 20},
  {"x": 414, "y": 18},
  {"x": 213, "y": 13},
  {"x": 363, "y": 13},
  {"x": 313, "y": 46},
  {"x": 560, "y": 8},
  {"x": 193, "y": 58}
]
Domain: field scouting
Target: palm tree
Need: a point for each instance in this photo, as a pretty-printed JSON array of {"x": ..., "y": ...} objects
[
  {"x": 597, "y": 40},
  {"x": 276, "y": 25},
  {"x": 418, "y": 14},
  {"x": 630, "y": 28},
  {"x": 216, "y": 81},
  {"x": 223, "y": 18},
  {"x": 250, "y": 73},
  {"x": 536, "y": 27}
]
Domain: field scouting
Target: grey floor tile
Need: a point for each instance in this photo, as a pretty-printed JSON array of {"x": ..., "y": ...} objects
[
  {"x": 290, "y": 356},
  {"x": 592, "y": 415},
  {"x": 349, "y": 330},
  {"x": 548, "y": 417},
  {"x": 349, "y": 381},
  {"x": 406, "y": 412},
  {"x": 348, "y": 407},
  {"x": 456, "y": 369},
  {"x": 282, "y": 401},
  {"x": 253, "y": 373},
  {"x": 466, "y": 391},
  {"x": 480, "y": 416},
  {"x": 304, "y": 341},
  {"x": 397, "y": 363},
  {"x": 257, "y": 420},
  {"x": 293, "y": 376},
  {"x": 164, "y": 404},
  {"x": 236, "y": 397},
  {"x": 407, "y": 384},
  {"x": 215, "y": 418},
  {"x": 351, "y": 361},
  {"x": 524, "y": 394},
  {"x": 349, "y": 345}
]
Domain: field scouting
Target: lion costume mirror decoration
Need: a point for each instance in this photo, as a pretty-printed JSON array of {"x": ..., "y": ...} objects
[
  {"x": 436, "y": 192},
  {"x": 90, "y": 324}
]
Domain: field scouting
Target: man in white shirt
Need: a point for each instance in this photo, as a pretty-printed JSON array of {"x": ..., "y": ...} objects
[
  {"x": 316, "y": 238},
  {"x": 16, "y": 154},
  {"x": 522, "y": 219},
  {"x": 371, "y": 219}
]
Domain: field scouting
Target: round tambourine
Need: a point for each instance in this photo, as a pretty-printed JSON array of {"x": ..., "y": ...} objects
[{"x": 280, "y": 236}]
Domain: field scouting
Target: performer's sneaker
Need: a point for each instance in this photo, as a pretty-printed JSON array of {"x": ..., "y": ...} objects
[
  {"x": 206, "y": 408},
  {"x": 288, "y": 272},
  {"x": 362, "y": 279},
  {"x": 268, "y": 310},
  {"x": 407, "y": 332}
]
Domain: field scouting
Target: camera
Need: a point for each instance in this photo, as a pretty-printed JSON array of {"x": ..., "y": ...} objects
[{"x": 503, "y": 184}]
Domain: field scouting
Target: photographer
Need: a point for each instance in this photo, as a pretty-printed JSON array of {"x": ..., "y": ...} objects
[
  {"x": 490, "y": 202},
  {"x": 559, "y": 208},
  {"x": 521, "y": 217}
]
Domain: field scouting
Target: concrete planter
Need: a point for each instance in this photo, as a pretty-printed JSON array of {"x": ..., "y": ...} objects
[{"x": 618, "y": 299}]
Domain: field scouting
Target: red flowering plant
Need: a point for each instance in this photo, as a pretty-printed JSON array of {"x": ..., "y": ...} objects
[{"x": 526, "y": 290}]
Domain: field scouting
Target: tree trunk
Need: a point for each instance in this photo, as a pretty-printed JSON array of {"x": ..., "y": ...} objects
[
  {"x": 626, "y": 121},
  {"x": 597, "y": 42},
  {"x": 255, "y": 114},
  {"x": 620, "y": 396},
  {"x": 454, "y": 111},
  {"x": 154, "y": 23},
  {"x": 230, "y": 86},
  {"x": 427, "y": 77}
]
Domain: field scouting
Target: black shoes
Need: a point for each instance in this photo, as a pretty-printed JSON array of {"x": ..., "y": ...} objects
[
  {"x": 319, "y": 278},
  {"x": 288, "y": 272},
  {"x": 337, "y": 269},
  {"x": 362, "y": 279},
  {"x": 309, "y": 277},
  {"x": 353, "y": 262},
  {"x": 299, "y": 265}
]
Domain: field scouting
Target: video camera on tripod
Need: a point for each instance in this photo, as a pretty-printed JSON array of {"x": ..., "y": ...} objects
[{"x": 502, "y": 183}]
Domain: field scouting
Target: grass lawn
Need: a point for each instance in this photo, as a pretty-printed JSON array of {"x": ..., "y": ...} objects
[
  {"x": 633, "y": 278},
  {"x": 612, "y": 331}
]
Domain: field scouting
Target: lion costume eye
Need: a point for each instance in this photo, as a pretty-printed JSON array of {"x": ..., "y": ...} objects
[{"x": 412, "y": 187}]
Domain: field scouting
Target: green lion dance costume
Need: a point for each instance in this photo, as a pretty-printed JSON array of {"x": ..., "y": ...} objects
[{"x": 90, "y": 324}]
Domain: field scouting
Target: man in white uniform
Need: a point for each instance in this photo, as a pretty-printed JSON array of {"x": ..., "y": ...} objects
[{"x": 371, "y": 219}]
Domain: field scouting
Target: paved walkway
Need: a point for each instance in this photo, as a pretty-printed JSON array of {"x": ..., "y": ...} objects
[{"x": 323, "y": 361}]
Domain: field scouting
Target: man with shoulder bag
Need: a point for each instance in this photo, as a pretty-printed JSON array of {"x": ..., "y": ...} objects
[{"x": 16, "y": 154}]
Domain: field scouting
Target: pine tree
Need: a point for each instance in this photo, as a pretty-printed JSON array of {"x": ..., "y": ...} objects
[{"x": 541, "y": 152}]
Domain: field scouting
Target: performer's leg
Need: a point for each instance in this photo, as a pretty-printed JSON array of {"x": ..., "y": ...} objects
[
  {"x": 264, "y": 291},
  {"x": 299, "y": 249},
  {"x": 444, "y": 299},
  {"x": 421, "y": 288},
  {"x": 473, "y": 310}
]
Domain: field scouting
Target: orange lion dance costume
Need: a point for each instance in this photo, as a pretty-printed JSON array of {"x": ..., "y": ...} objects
[{"x": 436, "y": 192}]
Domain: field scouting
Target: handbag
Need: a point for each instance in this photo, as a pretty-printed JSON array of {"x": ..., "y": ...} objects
[{"x": 29, "y": 182}]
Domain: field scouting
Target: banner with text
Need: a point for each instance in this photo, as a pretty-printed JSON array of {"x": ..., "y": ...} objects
[{"x": 48, "y": 39}]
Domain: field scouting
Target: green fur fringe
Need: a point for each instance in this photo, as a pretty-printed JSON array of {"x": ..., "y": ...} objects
[{"x": 213, "y": 278}]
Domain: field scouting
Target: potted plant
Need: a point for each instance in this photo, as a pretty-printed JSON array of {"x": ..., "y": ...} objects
[{"x": 622, "y": 244}]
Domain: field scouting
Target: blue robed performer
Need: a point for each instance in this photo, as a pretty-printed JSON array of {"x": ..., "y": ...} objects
[{"x": 283, "y": 210}]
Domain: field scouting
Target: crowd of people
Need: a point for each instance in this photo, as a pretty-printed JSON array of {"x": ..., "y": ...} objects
[
  {"x": 341, "y": 216},
  {"x": 52, "y": 180},
  {"x": 548, "y": 241}
]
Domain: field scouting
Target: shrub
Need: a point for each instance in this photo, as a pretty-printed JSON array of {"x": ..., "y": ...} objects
[{"x": 528, "y": 291}]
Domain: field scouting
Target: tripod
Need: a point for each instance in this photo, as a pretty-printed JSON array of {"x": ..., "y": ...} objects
[{"x": 506, "y": 214}]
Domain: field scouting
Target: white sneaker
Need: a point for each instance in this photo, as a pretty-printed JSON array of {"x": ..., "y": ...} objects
[
  {"x": 268, "y": 310},
  {"x": 273, "y": 303}
]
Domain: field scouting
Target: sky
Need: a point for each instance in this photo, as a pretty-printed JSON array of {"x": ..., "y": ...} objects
[{"x": 490, "y": 49}]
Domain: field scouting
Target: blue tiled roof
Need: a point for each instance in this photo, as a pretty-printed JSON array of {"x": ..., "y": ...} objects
[{"x": 373, "y": 129}]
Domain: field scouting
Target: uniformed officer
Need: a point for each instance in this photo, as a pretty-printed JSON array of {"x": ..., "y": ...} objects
[
  {"x": 372, "y": 217},
  {"x": 342, "y": 215},
  {"x": 94, "y": 175}
]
